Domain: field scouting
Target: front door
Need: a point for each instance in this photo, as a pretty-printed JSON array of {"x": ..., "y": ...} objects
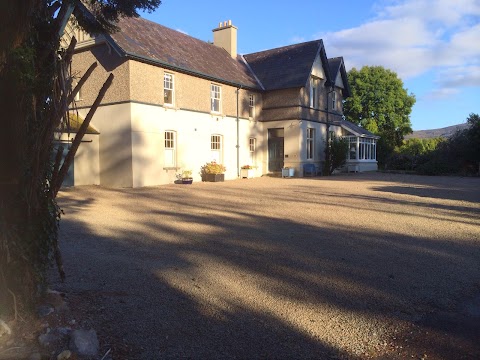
[{"x": 275, "y": 150}]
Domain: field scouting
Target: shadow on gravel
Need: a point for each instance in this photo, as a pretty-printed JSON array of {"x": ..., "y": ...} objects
[{"x": 181, "y": 273}]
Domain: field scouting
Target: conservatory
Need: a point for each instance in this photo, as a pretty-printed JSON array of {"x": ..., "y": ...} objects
[{"x": 362, "y": 148}]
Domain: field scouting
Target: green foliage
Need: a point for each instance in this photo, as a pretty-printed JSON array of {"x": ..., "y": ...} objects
[
  {"x": 381, "y": 105},
  {"x": 31, "y": 100},
  {"x": 412, "y": 153},
  {"x": 338, "y": 154},
  {"x": 459, "y": 154}
]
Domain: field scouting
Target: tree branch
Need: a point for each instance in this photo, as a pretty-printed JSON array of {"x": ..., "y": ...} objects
[
  {"x": 78, "y": 138},
  {"x": 81, "y": 82}
]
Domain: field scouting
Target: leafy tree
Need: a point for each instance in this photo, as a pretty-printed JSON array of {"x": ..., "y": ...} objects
[
  {"x": 380, "y": 104},
  {"x": 35, "y": 92}
]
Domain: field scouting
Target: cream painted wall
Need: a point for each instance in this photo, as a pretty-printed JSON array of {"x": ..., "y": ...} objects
[
  {"x": 115, "y": 144},
  {"x": 86, "y": 166},
  {"x": 193, "y": 131},
  {"x": 87, "y": 161},
  {"x": 317, "y": 68}
]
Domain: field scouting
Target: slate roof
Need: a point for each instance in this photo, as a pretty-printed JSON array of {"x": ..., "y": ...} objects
[
  {"x": 337, "y": 65},
  {"x": 285, "y": 67},
  {"x": 148, "y": 41},
  {"x": 357, "y": 130}
]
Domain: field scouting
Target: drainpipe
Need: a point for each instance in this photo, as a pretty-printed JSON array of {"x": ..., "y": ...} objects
[
  {"x": 238, "y": 134},
  {"x": 327, "y": 150}
]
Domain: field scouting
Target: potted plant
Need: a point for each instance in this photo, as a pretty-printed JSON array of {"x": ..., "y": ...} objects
[
  {"x": 247, "y": 171},
  {"x": 213, "y": 172},
  {"x": 187, "y": 177}
]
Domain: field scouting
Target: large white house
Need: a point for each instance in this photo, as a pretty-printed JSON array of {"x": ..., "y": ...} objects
[{"x": 177, "y": 102}]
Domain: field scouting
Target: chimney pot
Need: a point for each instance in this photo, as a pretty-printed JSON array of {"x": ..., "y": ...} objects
[{"x": 225, "y": 36}]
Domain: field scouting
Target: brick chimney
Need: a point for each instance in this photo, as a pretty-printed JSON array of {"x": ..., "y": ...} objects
[{"x": 225, "y": 36}]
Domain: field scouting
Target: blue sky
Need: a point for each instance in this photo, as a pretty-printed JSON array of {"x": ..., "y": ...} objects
[{"x": 433, "y": 45}]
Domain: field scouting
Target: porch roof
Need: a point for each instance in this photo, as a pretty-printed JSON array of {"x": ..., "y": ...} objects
[{"x": 357, "y": 130}]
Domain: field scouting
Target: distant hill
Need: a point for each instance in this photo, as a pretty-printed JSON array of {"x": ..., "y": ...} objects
[{"x": 434, "y": 133}]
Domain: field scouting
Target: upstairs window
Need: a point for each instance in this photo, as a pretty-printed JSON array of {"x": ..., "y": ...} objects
[
  {"x": 334, "y": 100},
  {"x": 251, "y": 106},
  {"x": 216, "y": 98},
  {"x": 168, "y": 89},
  {"x": 313, "y": 94}
]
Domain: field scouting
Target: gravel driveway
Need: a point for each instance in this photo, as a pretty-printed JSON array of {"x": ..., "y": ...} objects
[{"x": 353, "y": 266}]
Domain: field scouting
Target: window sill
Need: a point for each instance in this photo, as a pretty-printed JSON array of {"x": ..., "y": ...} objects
[{"x": 171, "y": 168}]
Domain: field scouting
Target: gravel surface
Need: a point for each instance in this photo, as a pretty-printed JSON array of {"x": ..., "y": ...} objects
[{"x": 354, "y": 266}]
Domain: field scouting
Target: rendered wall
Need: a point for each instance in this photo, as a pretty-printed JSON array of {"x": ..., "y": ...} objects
[
  {"x": 193, "y": 131},
  {"x": 85, "y": 167},
  {"x": 115, "y": 144},
  {"x": 87, "y": 161}
]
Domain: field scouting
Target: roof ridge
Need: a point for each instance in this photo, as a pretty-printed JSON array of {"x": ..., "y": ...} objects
[{"x": 285, "y": 46}]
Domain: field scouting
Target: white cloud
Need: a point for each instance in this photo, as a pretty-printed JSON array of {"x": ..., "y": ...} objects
[
  {"x": 441, "y": 94},
  {"x": 412, "y": 37}
]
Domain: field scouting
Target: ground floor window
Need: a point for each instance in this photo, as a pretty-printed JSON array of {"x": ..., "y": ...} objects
[
  {"x": 310, "y": 143},
  {"x": 216, "y": 148},
  {"x": 252, "y": 144},
  {"x": 361, "y": 148},
  {"x": 170, "y": 149}
]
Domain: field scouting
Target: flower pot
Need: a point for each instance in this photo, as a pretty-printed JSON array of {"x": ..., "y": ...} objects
[
  {"x": 214, "y": 177},
  {"x": 187, "y": 181}
]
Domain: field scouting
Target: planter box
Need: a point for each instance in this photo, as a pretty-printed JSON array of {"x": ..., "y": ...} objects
[
  {"x": 247, "y": 173},
  {"x": 213, "y": 177},
  {"x": 288, "y": 172},
  {"x": 187, "y": 181}
]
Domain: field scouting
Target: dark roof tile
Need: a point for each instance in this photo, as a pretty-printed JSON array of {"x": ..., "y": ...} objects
[
  {"x": 148, "y": 41},
  {"x": 284, "y": 67},
  {"x": 357, "y": 130}
]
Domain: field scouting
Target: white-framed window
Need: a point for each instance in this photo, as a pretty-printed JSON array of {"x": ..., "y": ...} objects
[
  {"x": 215, "y": 98},
  {"x": 313, "y": 94},
  {"x": 252, "y": 145},
  {"x": 170, "y": 154},
  {"x": 367, "y": 148},
  {"x": 251, "y": 106},
  {"x": 310, "y": 143},
  {"x": 334, "y": 100},
  {"x": 168, "y": 89},
  {"x": 216, "y": 147}
]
